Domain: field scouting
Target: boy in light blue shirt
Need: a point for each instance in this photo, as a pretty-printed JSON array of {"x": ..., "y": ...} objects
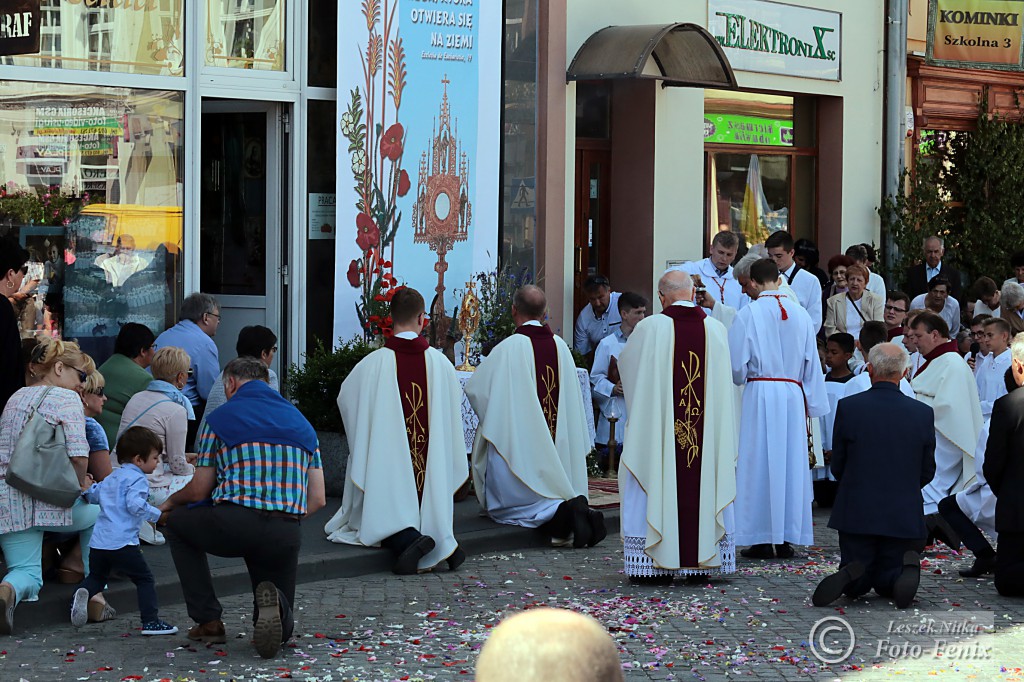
[{"x": 123, "y": 500}]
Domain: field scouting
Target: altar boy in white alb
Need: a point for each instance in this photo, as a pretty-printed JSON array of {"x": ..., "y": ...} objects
[
  {"x": 529, "y": 457},
  {"x": 604, "y": 374},
  {"x": 716, "y": 272},
  {"x": 678, "y": 470},
  {"x": 772, "y": 342},
  {"x": 401, "y": 406}
]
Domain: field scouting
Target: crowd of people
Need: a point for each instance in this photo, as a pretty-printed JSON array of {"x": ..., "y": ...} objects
[
  {"x": 709, "y": 464},
  {"x": 723, "y": 402},
  {"x": 165, "y": 447}
]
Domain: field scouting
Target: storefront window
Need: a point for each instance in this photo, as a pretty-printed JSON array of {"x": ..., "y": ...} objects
[
  {"x": 519, "y": 162},
  {"x": 137, "y": 36},
  {"x": 246, "y": 34},
  {"x": 93, "y": 181},
  {"x": 321, "y": 201},
  {"x": 323, "y": 43},
  {"x": 761, "y": 158}
]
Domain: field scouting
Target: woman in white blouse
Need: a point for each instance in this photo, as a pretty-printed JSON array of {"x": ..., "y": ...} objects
[{"x": 848, "y": 311}]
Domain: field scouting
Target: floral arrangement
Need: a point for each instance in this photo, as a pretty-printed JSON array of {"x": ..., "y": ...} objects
[
  {"x": 376, "y": 144},
  {"x": 49, "y": 206},
  {"x": 495, "y": 290}
]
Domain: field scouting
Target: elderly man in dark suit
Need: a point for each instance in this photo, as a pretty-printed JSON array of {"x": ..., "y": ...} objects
[
  {"x": 919, "y": 275},
  {"x": 883, "y": 453},
  {"x": 1004, "y": 471}
]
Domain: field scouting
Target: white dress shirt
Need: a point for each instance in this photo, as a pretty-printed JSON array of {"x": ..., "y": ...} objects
[
  {"x": 950, "y": 312},
  {"x": 991, "y": 385},
  {"x": 590, "y": 329},
  {"x": 876, "y": 285},
  {"x": 808, "y": 291},
  {"x": 723, "y": 287},
  {"x": 610, "y": 347}
]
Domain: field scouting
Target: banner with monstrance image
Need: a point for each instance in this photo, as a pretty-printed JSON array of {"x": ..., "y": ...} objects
[{"x": 419, "y": 96}]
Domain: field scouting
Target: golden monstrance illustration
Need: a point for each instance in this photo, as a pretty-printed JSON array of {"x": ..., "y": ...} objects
[{"x": 442, "y": 213}]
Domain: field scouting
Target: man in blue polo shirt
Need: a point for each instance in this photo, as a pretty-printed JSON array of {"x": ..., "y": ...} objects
[{"x": 200, "y": 318}]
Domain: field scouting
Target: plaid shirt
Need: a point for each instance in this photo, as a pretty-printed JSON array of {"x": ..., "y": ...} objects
[{"x": 258, "y": 475}]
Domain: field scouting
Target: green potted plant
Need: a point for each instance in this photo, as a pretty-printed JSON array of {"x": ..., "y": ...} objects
[{"x": 313, "y": 387}]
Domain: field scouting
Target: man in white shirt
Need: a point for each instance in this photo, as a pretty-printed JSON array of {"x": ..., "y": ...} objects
[
  {"x": 990, "y": 375},
  {"x": 604, "y": 375},
  {"x": 988, "y": 297},
  {"x": 1017, "y": 263},
  {"x": 806, "y": 285},
  {"x": 716, "y": 273},
  {"x": 598, "y": 319},
  {"x": 875, "y": 284},
  {"x": 940, "y": 302}
]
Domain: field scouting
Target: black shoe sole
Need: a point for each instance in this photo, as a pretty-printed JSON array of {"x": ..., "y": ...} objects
[
  {"x": 832, "y": 587},
  {"x": 580, "y": 522},
  {"x": 598, "y": 531},
  {"x": 456, "y": 559},
  {"x": 408, "y": 562},
  {"x": 268, "y": 630},
  {"x": 905, "y": 587}
]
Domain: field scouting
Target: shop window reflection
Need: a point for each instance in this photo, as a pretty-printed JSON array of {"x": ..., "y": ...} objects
[
  {"x": 519, "y": 160},
  {"x": 246, "y": 34},
  {"x": 139, "y": 37},
  {"x": 93, "y": 189}
]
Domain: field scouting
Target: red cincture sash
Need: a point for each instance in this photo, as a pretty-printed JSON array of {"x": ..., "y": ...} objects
[
  {"x": 688, "y": 404},
  {"x": 411, "y": 362},
  {"x": 545, "y": 359}
]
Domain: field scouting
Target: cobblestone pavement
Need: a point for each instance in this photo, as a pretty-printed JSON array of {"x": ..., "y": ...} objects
[{"x": 754, "y": 624}]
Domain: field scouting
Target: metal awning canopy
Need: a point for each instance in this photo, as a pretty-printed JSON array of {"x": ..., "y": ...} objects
[{"x": 680, "y": 55}]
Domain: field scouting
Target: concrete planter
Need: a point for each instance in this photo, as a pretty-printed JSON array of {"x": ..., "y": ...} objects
[{"x": 334, "y": 456}]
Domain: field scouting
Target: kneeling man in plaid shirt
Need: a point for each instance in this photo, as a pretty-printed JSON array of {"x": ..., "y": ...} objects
[{"x": 257, "y": 476}]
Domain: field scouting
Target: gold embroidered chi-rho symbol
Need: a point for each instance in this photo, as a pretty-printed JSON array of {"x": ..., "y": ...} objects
[{"x": 686, "y": 429}]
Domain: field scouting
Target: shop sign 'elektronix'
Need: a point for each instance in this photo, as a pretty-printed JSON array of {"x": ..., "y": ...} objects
[
  {"x": 770, "y": 37},
  {"x": 19, "y": 27},
  {"x": 976, "y": 34}
]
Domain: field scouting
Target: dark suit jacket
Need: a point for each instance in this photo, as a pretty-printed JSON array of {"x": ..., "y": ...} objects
[
  {"x": 917, "y": 281},
  {"x": 883, "y": 453},
  {"x": 12, "y": 372},
  {"x": 1004, "y": 461}
]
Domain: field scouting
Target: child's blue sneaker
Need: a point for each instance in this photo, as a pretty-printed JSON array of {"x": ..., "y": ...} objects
[{"x": 158, "y": 627}]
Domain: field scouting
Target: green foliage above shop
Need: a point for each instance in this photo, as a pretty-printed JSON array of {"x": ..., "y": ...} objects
[{"x": 967, "y": 191}]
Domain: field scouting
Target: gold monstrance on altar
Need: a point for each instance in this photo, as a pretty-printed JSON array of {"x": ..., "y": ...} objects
[
  {"x": 442, "y": 213},
  {"x": 469, "y": 322}
]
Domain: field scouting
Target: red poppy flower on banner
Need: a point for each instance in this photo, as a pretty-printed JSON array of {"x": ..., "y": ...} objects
[
  {"x": 368, "y": 233},
  {"x": 391, "y": 143},
  {"x": 403, "y": 183},
  {"x": 353, "y": 273}
]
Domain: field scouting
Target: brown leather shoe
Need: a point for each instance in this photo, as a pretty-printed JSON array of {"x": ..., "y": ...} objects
[
  {"x": 211, "y": 632},
  {"x": 100, "y": 611},
  {"x": 8, "y": 600}
]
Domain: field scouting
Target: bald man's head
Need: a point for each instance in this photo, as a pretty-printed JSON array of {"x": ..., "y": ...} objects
[
  {"x": 675, "y": 285},
  {"x": 530, "y": 303},
  {"x": 551, "y": 645}
]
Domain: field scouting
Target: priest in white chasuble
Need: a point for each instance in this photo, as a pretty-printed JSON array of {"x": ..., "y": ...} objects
[
  {"x": 946, "y": 383},
  {"x": 775, "y": 355},
  {"x": 401, "y": 407},
  {"x": 529, "y": 458},
  {"x": 677, "y": 476}
]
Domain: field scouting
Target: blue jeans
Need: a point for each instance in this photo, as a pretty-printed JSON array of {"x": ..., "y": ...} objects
[{"x": 23, "y": 549}]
